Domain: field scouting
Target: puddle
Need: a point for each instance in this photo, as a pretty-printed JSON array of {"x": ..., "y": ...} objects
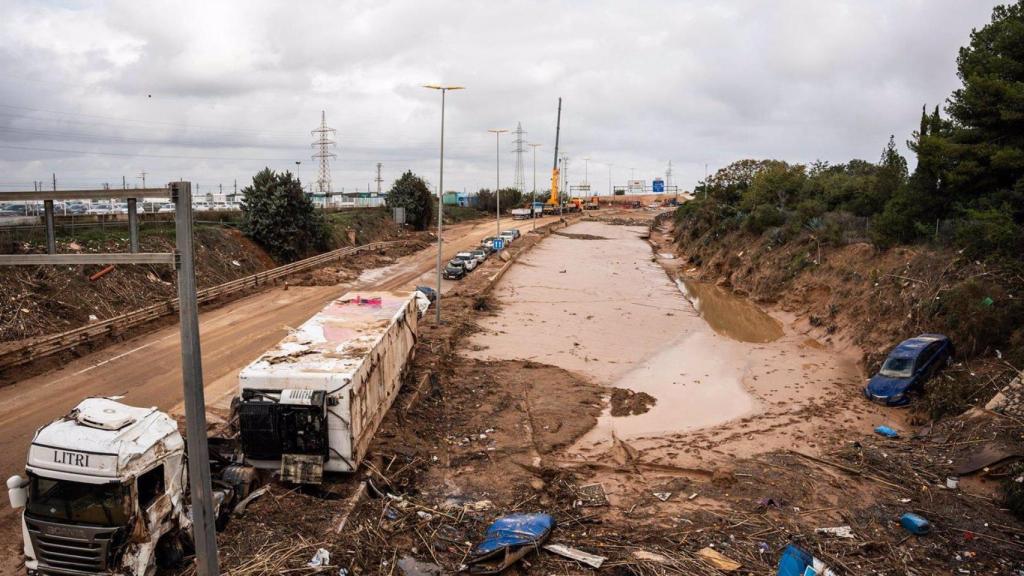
[
  {"x": 728, "y": 314},
  {"x": 606, "y": 311}
]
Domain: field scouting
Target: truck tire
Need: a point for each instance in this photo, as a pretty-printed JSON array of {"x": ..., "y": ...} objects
[{"x": 172, "y": 550}]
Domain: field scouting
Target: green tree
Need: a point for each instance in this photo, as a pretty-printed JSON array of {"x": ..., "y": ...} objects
[
  {"x": 411, "y": 192},
  {"x": 510, "y": 198},
  {"x": 987, "y": 137},
  {"x": 278, "y": 215}
]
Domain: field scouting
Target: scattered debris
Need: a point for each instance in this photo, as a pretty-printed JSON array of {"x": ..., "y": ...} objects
[
  {"x": 719, "y": 560},
  {"x": 663, "y": 496},
  {"x": 591, "y": 495},
  {"x": 320, "y": 559},
  {"x": 797, "y": 562},
  {"x": 240, "y": 507},
  {"x": 915, "y": 524},
  {"x": 507, "y": 540},
  {"x": 887, "y": 432},
  {"x": 591, "y": 560},
  {"x": 837, "y": 531},
  {"x": 413, "y": 567}
]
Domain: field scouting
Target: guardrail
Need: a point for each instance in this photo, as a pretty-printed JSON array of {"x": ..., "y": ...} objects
[{"x": 48, "y": 345}]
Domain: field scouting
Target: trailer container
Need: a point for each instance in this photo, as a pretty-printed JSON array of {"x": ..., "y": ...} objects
[{"x": 313, "y": 402}]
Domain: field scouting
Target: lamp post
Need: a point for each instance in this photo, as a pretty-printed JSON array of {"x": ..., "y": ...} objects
[
  {"x": 298, "y": 175},
  {"x": 440, "y": 196},
  {"x": 533, "y": 201},
  {"x": 497, "y": 174}
]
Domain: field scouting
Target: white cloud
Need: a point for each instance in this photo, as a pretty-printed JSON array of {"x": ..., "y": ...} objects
[{"x": 643, "y": 83}]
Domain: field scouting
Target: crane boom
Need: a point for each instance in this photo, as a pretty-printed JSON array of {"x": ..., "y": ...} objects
[{"x": 553, "y": 200}]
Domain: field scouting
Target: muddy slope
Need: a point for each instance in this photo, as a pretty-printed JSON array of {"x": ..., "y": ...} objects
[
  {"x": 857, "y": 295},
  {"x": 43, "y": 300}
]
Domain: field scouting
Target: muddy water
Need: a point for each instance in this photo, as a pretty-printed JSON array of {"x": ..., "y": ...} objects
[
  {"x": 728, "y": 314},
  {"x": 604, "y": 308}
]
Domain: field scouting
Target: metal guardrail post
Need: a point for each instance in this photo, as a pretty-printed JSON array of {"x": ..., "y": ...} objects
[
  {"x": 204, "y": 532},
  {"x": 51, "y": 235},
  {"x": 133, "y": 226}
]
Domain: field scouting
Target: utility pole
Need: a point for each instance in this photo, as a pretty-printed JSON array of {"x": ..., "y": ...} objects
[
  {"x": 610, "y": 191},
  {"x": 497, "y": 174},
  {"x": 519, "y": 183},
  {"x": 379, "y": 179},
  {"x": 668, "y": 174},
  {"x": 586, "y": 170}
]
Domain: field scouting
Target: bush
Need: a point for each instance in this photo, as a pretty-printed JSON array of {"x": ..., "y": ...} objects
[
  {"x": 977, "y": 315},
  {"x": 989, "y": 234},
  {"x": 278, "y": 215},
  {"x": 762, "y": 218}
]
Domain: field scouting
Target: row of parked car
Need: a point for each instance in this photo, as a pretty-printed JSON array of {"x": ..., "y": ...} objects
[{"x": 465, "y": 262}]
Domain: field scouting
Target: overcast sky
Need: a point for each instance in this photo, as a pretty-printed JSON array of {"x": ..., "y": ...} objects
[{"x": 213, "y": 91}]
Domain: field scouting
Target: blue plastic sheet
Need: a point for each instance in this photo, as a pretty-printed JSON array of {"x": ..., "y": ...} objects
[
  {"x": 514, "y": 531},
  {"x": 797, "y": 562}
]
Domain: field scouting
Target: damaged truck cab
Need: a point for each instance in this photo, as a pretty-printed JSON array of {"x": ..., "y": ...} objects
[
  {"x": 104, "y": 486},
  {"x": 107, "y": 492}
]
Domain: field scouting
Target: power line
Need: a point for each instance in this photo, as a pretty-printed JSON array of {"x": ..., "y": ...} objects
[{"x": 138, "y": 155}]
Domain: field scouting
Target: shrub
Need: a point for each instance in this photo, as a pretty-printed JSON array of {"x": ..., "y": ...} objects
[
  {"x": 762, "y": 218},
  {"x": 278, "y": 215},
  {"x": 989, "y": 234}
]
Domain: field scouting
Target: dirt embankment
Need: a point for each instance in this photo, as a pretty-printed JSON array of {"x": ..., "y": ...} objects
[
  {"x": 858, "y": 295},
  {"x": 42, "y": 300}
]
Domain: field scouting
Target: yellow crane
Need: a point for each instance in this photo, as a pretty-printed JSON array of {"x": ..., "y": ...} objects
[{"x": 554, "y": 199}]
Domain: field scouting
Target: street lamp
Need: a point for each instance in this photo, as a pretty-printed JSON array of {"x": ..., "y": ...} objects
[
  {"x": 534, "y": 200},
  {"x": 440, "y": 196},
  {"x": 497, "y": 174},
  {"x": 298, "y": 175}
]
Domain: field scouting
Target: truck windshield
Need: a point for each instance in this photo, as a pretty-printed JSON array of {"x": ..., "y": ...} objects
[
  {"x": 77, "y": 502},
  {"x": 898, "y": 368}
]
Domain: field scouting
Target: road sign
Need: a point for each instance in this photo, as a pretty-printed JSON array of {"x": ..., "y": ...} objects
[{"x": 498, "y": 243}]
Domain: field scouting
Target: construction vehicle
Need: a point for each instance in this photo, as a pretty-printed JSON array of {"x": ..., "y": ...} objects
[
  {"x": 312, "y": 403},
  {"x": 107, "y": 492},
  {"x": 554, "y": 202}
]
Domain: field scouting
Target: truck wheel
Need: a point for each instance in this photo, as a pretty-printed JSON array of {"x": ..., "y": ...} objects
[{"x": 171, "y": 551}]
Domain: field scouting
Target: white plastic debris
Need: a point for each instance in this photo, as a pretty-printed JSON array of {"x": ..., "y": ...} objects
[
  {"x": 321, "y": 558},
  {"x": 580, "y": 556},
  {"x": 837, "y": 531}
]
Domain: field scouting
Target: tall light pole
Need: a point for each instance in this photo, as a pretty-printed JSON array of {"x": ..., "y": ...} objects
[
  {"x": 586, "y": 170},
  {"x": 534, "y": 200},
  {"x": 610, "y": 191},
  {"x": 298, "y": 175},
  {"x": 497, "y": 174},
  {"x": 440, "y": 196}
]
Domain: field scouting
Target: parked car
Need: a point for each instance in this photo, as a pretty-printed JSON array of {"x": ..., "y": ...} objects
[
  {"x": 508, "y": 236},
  {"x": 99, "y": 209},
  {"x": 908, "y": 367},
  {"x": 468, "y": 259},
  {"x": 429, "y": 292},
  {"x": 488, "y": 248},
  {"x": 515, "y": 232},
  {"x": 455, "y": 270},
  {"x": 165, "y": 208},
  {"x": 480, "y": 255}
]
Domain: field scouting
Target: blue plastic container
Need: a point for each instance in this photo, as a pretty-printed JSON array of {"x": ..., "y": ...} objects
[{"x": 915, "y": 524}]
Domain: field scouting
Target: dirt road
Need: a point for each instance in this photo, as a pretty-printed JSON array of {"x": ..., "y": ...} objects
[{"x": 147, "y": 370}]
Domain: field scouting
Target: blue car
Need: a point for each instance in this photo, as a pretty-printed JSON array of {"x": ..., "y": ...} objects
[{"x": 908, "y": 367}]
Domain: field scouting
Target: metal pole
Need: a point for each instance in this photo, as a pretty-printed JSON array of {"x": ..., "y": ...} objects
[
  {"x": 133, "y": 226},
  {"x": 51, "y": 236},
  {"x": 440, "y": 214},
  {"x": 204, "y": 532},
  {"x": 497, "y": 179}
]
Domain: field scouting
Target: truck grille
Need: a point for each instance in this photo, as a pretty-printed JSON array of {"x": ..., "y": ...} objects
[{"x": 70, "y": 549}]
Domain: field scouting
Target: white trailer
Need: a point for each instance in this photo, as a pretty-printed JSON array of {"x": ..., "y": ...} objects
[{"x": 313, "y": 402}]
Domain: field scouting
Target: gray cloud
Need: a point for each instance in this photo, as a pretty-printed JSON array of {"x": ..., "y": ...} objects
[{"x": 214, "y": 91}]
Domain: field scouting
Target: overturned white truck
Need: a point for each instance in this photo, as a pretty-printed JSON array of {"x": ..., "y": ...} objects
[
  {"x": 313, "y": 403},
  {"x": 107, "y": 492}
]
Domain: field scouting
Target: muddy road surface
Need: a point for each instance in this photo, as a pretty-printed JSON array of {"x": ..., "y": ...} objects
[
  {"x": 146, "y": 370},
  {"x": 723, "y": 374}
]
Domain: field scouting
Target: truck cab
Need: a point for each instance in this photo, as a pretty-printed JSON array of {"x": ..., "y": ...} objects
[
  {"x": 106, "y": 492},
  {"x": 104, "y": 485}
]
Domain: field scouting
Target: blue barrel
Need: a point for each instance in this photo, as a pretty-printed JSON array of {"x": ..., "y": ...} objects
[{"x": 915, "y": 524}]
